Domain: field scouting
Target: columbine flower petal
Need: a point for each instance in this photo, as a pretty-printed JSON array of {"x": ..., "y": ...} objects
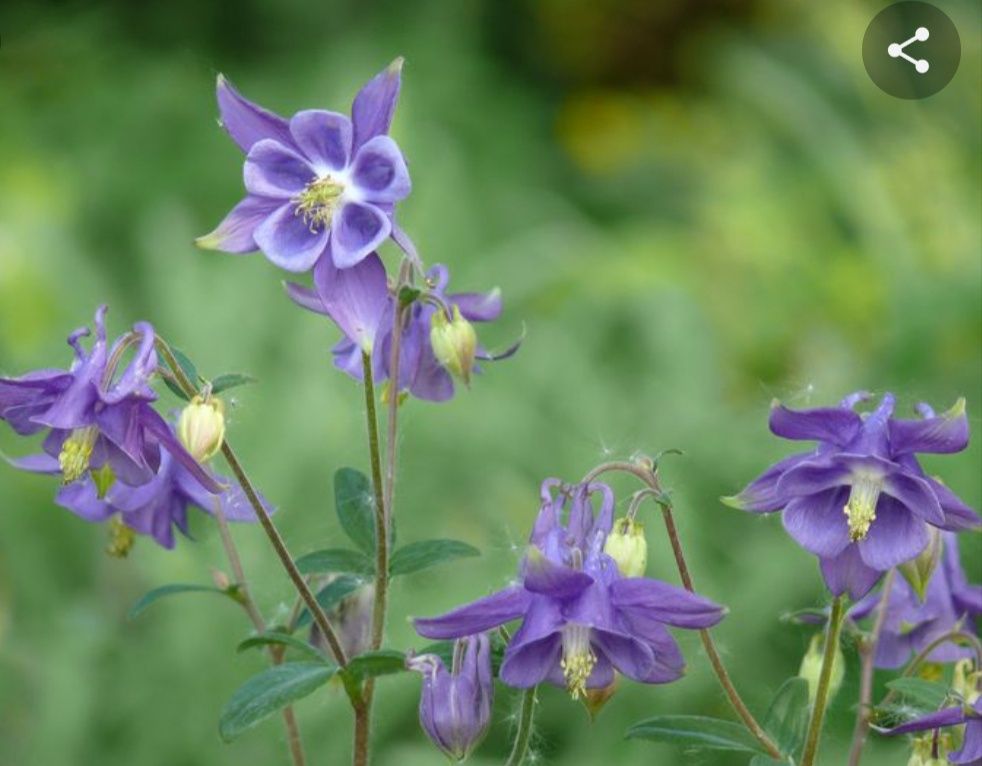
[
  {"x": 288, "y": 241},
  {"x": 235, "y": 233},
  {"x": 847, "y": 573},
  {"x": 274, "y": 171},
  {"x": 246, "y": 122},
  {"x": 375, "y": 104},
  {"x": 938, "y": 434},
  {"x": 356, "y": 298},
  {"x": 895, "y": 536},
  {"x": 379, "y": 171},
  {"x": 817, "y": 522},
  {"x": 836, "y": 425},
  {"x": 477, "y": 617},
  {"x": 324, "y": 138},
  {"x": 640, "y": 598},
  {"x": 357, "y": 230}
]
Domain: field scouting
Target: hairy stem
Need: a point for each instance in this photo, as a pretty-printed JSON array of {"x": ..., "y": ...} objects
[
  {"x": 867, "y": 655},
  {"x": 646, "y": 473},
  {"x": 824, "y": 682},
  {"x": 524, "y": 734}
]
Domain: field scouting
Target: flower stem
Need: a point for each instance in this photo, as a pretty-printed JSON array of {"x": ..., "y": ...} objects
[
  {"x": 824, "y": 682},
  {"x": 953, "y": 636},
  {"x": 524, "y": 734},
  {"x": 646, "y": 473},
  {"x": 867, "y": 654}
]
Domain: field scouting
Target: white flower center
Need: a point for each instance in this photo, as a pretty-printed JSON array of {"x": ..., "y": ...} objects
[
  {"x": 860, "y": 510},
  {"x": 318, "y": 201},
  {"x": 578, "y": 659}
]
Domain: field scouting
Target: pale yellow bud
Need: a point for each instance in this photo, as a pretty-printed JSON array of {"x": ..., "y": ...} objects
[
  {"x": 811, "y": 667},
  {"x": 627, "y": 546},
  {"x": 918, "y": 571},
  {"x": 966, "y": 681},
  {"x": 201, "y": 427},
  {"x": 923, "y": 751},
  {"x": 454, "y": 343}
]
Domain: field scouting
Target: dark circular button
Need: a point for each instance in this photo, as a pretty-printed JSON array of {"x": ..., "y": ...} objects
[{"x": 911, "y": 50}]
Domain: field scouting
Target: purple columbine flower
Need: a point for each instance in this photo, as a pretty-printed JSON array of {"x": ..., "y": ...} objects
[
  {"x": 156, "y": 507},
  {"x": 318, "y": 184},
  {"x": 455, "y": 705},
  {"x": 860, "y": 501},
  {"x": 969, "y": 715},
  {"x": 361, "y": 304},
  {"x": 581, "y": 619},
  {"x": 95, "y": 419},
  {"x": 911, "y": 624}
]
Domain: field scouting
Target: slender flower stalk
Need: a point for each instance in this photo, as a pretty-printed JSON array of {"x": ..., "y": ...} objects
[
  {"x": 645, "y": 472},
  {"x": 524, "y": 734},
  {"x": 867, "y": 653},
  {"x": 954, "y": 636},
  {"x": 824, "y": 682}
]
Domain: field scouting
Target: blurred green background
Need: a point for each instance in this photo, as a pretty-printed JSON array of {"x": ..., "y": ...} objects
[{"x": 693, "y": 208}]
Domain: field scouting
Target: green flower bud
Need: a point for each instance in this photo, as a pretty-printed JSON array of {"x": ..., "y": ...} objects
[
  {"x": 811, "y": 667},
  {"x": 966, "y": 681},
  {"x": 454, "y": 343},
  {"x": 918, "y": 571},
  {"x": 626, "y": 545},
  {"x": 201, "y": 427}
]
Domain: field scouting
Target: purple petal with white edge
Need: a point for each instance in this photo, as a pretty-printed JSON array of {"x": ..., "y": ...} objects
[
  {"x": 530, "y": 664},
  {"x": 379, "y": 171},
  {"x": 811, "y": 476},
  {"x": 818, "y": 523},
  {"x": 630, "y": 656},
  {"x": 274, "y": 171},
  {"x": 287, "y": 240},
  {"x": 951, "y": 716},
  {"x": 540, "y": 575},
  {"x": 971, "y": 752},
  {"x": 375, "y": 104},
  {"x": 82, "y": 499},
  {"x": 917, "y": 495},
  {"x": 895, "y": 536},
  {"x": 304, "y": 297},
  {"x": 476, "y": 617},
  {"x": 246, "y": 122},
  {"x": 39, "y": 463},
  {"x": 355, "y": 298},
  {"x": 659, "y": 601},
  {"x": 478, "y": 307},
  {"x": 234, "y": 233},
  {"x": 761, "y": 495},
  {"x": 324, "y": 137},
  {"x": 157, "y": 426},
  {"x": 824, "y": 424},
  {"x": 847, "y": 573},
  {"x": 945, "y": 433},
  {"x": 357, "y": 230}
]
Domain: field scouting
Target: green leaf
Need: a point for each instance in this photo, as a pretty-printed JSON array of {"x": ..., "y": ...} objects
[
  {"x": 331, "y": 594},
  {"x": 355, "y": 507},
  {"x": 787, "y": 717},
  {"x": 380, "y": 663},
  {"x": 336, "y": 560},
  {"x": 283, "y": 639},
  {"x": 428, "y": 553},
  {"x": 189, "y": 370},
  {"x": 230, "y": 380},
  {"x": 170, "y": 590},
  {"x": 695, "y": 731},
  {"x": 927, "y": 694},
  {"x": 270, "y": 691}
]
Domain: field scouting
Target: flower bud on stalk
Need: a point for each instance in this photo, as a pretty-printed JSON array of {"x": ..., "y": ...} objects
[
  {"x": 966, "y": 681},
  {"x": 811, "y": 667},
  {"x": 454, "y": 343},
  {"x": 924, "y": 752},
  {"x": 201, "y": 427},
  {"x": 917, "y": 572},
  {"x": 627, "y": 546}
]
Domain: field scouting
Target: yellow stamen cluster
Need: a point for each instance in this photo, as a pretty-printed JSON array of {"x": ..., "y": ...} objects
[
  {"x": 317, "y": 203},
  {"x": 76, "y": 451},
  {"x": 578, "y": 659},
  {"x": 121, "y": 539},
  {"x": 860, "y": 510}
]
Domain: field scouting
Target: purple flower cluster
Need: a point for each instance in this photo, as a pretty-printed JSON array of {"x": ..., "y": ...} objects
[
  {"x": 581, "y": 619},
  {"x": 860, "y": 500},
  {"x": 116, "y": 455}
]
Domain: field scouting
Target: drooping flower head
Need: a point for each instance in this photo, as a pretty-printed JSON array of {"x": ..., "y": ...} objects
[
  {"x": 581, "y": 619},
  {"x": 318, "y": 184},
  {"x": 455, "y": 704},
  {"x": 860, "y": 500},
  {"x": 361, "y": 303},
  {"x": 911, "y": 624}
]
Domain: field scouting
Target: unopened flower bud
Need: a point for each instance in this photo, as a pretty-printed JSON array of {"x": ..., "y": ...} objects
[
  {"x": 918, "y": 570},
  {"x": 627, "y": 546},
  {"x": 925, "y": 752},
  {"x": 220, "y": 579},
  {"x": 595, "y": 699},
  {"x": 201, "y": 427},
  {"x": 811, "y": 667},
  {"x": 966, "y": 681},
  {"x": 454, "y": 343}
]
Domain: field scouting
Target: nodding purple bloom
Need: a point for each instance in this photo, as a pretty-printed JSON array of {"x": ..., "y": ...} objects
[
  {"x": 968, "y": 714},
  {"x": 318, "y": 184},
  {"x": 581, "y": 619},
  {"x": 860, "y": 501},
  {"x": 361, "y": 304},
  {"x": 156, "y": 507},
  {"x": 95, "y": 419},
  {"x": 455, "y": 705},
  {"x": 910, "y": 624}
]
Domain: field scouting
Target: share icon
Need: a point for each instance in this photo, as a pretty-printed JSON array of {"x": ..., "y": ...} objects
[{"x": 896, "y": 50}]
